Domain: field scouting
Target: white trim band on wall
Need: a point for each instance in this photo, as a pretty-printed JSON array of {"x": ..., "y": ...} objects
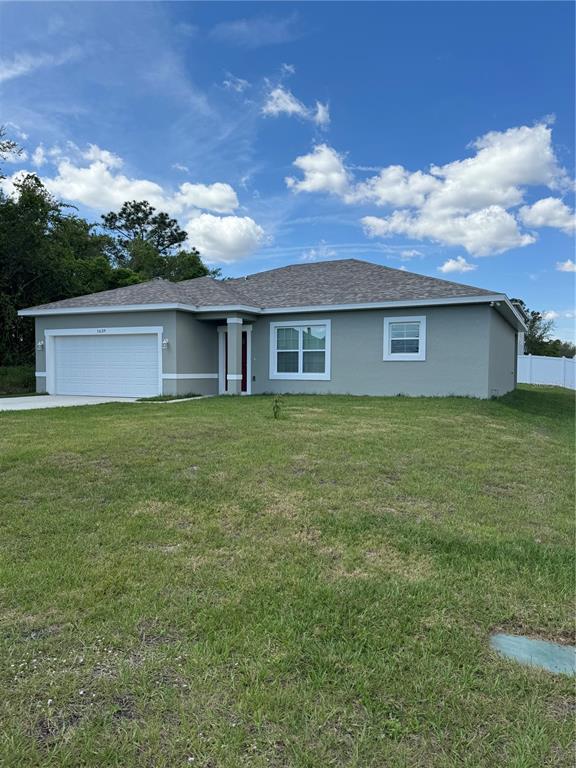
[
  {"x": 40, "y": 373},
  {"x": 189, "y": 375},
  {"x": 234, "y": 377},
  {"x": 234, "y": 320},
  {"x": 127, "y": 330}
]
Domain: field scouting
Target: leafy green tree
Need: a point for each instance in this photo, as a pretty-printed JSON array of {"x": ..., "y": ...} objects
[
  {"x": 150, "y": 244},
  {"x": 47, "y": 253},
  {"x": 137, "y": 222},
  {"x": 538, "y": 337},
  {"x": 559, "y": 348},
  {"x": 8, "y": 148}
]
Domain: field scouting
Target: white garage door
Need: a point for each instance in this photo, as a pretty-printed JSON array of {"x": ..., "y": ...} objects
[{"x": 119, "y": 365}]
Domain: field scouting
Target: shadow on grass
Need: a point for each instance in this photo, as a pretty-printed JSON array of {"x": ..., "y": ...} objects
[{"x": 550, "y": 402}]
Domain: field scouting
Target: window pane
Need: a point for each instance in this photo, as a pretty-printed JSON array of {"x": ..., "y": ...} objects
[
  {"x": 404, "y": 330},
  {"x": 287, "y": 362},
  {"x": 314, "y": 362},
  {"x": 404, "y": 346},
  {"x": 286, "y": 338},
  {"x": 315, "y": 337}
]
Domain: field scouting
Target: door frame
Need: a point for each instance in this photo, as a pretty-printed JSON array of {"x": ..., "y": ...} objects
[
  {"x": 51, "y": 333},
  {"x": 222, "y": 331}
]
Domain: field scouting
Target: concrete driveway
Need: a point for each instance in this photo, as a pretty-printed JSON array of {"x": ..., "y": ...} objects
[{"x": 55, "y": 401}]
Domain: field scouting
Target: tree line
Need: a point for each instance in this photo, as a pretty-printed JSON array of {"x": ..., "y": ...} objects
[{"x": 48, "y": 252}]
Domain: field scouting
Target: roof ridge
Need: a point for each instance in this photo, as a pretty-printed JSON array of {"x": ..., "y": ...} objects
[{"x": 365, "y": 262}]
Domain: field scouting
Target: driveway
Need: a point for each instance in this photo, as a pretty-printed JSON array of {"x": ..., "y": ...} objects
[{"x": 55, "y": 401}]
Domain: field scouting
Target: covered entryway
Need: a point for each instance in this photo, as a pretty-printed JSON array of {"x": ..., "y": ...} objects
[
  {"x": 104, "y": 362},
  {"x": 245, "y": 377}
]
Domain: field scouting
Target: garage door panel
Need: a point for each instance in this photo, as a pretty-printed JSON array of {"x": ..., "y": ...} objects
[{"x": 115, "y": 365}]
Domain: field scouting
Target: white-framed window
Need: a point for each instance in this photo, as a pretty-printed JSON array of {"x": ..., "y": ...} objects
[
  {"x": 300, "y": 350},
  {"x": 405, "y": 338}
]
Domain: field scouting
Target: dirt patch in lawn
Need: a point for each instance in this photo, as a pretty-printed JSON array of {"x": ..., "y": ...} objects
[
  {"x": 565, "y": 636},
  {"x": 50, "y": 729},
  {"x": 562, "y": 708},
  {"x": 377, "y": 561}
]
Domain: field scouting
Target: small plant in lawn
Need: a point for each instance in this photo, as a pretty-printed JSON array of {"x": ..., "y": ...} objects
[{"x": 277, "y": 407}]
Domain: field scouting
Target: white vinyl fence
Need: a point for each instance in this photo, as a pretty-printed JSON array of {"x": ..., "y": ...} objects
[{"x": 538, "y": 369}]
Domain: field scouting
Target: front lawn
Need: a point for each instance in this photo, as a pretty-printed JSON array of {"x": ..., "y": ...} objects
[{"x": 203, "y": 585}]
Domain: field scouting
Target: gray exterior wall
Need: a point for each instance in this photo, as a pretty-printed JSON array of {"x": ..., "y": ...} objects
[
  {"x": 197, "y": 345},
  {"x": 457, "y": 354},
  {"x": 503, "y": 356},
  {"x": 192, "y": 347},
  {"x": 470, "y": 350}
]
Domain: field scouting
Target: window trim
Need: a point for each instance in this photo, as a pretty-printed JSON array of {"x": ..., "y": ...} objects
[
  {"x": 405, "y": 356},
  {"x": 273, "y": 373}
]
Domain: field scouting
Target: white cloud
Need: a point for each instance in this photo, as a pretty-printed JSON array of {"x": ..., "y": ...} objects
[
  {"x": 322, "y": 115},
  {"x": 98, "y": 186},
  {"x": 321, "y": 251},
  {"x": 15, "y": 157},
  {"x": 323, "y": 170},
  {"x": 489, "y": 230},
  {"x": 39, "y": 156},
  {"x": 395, "y": 186},
  {"x": 217, "y": 197},
  {"x": 469, "y": 203},
  {"x": 224, "y": 239},
  {"x": 566, "y": 266},
  {"x": 410, "y": 253},
  {"x": 459, "y": 264},
  {"x": 257, "y": 31},
  {"x": 287, "y": 69},
  {"x": 24, "y": 63},
  {"x": 180, "y": 167},
  {"x": 548, "y": 212},
  {"x": 14, "y": 129},
  {"x": 281, "y": 101},
  {"x": 233, "y": 83},
  {"x": 95, "y": 154},
  {"x": 93, "y": 178},
  {"x": 551, "y": 314}
]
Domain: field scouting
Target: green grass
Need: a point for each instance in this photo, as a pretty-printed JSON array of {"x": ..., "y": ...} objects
[
  {"x": 165, "y": 398},
  {"x": 17, "y": 380},
  {"x": 203, "y": 581}
]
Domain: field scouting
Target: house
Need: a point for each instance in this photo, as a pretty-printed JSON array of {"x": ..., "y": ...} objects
[{"x": 344, "y": 326}]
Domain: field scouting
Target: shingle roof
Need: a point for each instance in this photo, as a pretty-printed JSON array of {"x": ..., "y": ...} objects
[{"x": 346, "y": 281}]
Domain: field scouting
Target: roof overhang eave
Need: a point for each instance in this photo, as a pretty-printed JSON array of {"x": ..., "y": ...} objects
[{"x": 498, "y": 300}]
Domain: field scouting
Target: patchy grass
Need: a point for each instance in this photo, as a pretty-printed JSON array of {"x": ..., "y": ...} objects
[
  {"x": 164, "y": 398},
  {"x": 206, "y": 585},
  {"x": 17, "y": 380}
]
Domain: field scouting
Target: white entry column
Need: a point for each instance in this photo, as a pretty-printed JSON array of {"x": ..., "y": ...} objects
[{"x": 234, "y": 358}]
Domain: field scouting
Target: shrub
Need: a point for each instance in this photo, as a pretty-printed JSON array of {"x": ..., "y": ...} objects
[{"x": 17, "y": 379}]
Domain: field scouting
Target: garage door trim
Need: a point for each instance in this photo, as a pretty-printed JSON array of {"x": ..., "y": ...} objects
[{"x": 51, "y": 333}]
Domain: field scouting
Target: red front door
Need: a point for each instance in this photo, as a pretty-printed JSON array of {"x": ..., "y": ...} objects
[{"x": 244, "y": 361}]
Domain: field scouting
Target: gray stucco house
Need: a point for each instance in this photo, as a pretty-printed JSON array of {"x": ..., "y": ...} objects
[{"x": 349, "y": 327}]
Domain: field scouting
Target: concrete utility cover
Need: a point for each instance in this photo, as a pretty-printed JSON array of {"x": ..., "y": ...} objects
[{"x": 560, "y": 659}]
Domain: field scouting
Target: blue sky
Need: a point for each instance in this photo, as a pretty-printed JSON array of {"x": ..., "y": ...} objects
[{"x": 434, "y": 137}]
